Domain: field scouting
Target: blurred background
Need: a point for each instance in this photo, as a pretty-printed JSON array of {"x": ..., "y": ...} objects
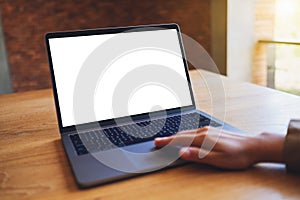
[{"x": 256, "y": 41}]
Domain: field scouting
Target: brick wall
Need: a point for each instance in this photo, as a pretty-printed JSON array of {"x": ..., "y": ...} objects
[{"x": 26, "y": 22}]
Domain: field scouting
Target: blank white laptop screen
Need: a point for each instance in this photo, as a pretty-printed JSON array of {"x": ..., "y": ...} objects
[{"x": 69, "y": 54}]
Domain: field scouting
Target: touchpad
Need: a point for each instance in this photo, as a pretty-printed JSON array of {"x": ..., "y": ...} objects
[
  {"x": 146, "y": 156},
  {"x": 147, "y": 147},
  {"x": 139, "y": 158}
]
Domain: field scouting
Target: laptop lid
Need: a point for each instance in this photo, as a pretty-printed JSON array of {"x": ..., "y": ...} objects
[{"x": 103, "y": 75}]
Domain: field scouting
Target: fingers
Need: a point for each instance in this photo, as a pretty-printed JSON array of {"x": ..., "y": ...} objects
[
  {"x": 195, "y": 154},
  {"x": 177, "y": 140},
  {"x": 180, "y": 140},
  {"x": 195, "y": 131},
  {"x": 185, "y": 138}
]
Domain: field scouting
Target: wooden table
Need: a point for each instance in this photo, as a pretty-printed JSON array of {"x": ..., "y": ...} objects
[{"x": 34, "y": 165}]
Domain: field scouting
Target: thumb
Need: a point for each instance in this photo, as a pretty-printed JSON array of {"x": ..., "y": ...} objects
[{"x": 198, "y": 155}]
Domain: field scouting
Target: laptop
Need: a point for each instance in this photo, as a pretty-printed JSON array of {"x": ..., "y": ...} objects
[{"x": 115, "y": 90}]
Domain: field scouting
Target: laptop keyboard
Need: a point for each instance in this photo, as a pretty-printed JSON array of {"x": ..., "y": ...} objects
[{"x": 120, "y": 136}]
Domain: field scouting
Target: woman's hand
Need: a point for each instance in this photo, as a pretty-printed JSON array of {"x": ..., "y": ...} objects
[{"x": 226, "y": 149}]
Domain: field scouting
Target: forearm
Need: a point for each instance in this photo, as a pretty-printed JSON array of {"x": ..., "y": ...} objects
[{"x": 268, "y": 147}]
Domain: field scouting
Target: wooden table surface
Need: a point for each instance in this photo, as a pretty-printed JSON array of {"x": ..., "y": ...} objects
[{"x": 33, "y": 164}]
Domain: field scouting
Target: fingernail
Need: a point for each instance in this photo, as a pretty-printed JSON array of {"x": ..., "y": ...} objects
[
  {"x": 160, "y": 138},
  {"x": 184, "y": 151},
  {"x": 157, "y": 141}
]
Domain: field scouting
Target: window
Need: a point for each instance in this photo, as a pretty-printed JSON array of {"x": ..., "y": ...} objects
[{"x": 284, "y": 51}]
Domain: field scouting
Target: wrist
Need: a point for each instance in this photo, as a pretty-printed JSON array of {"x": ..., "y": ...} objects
[{"x": 268, "y": 148}]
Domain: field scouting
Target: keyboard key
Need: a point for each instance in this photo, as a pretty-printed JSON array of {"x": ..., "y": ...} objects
[{"x": 101, "y": 140}]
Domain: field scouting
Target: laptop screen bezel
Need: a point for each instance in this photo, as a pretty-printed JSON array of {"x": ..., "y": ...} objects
[{"x": 101, "y": 31}]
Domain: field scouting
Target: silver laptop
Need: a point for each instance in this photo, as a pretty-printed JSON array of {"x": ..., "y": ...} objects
[{"x": 115, "y": 90}]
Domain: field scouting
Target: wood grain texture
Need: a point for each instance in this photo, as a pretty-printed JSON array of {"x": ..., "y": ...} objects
[{"x": 33, "y": 164}]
